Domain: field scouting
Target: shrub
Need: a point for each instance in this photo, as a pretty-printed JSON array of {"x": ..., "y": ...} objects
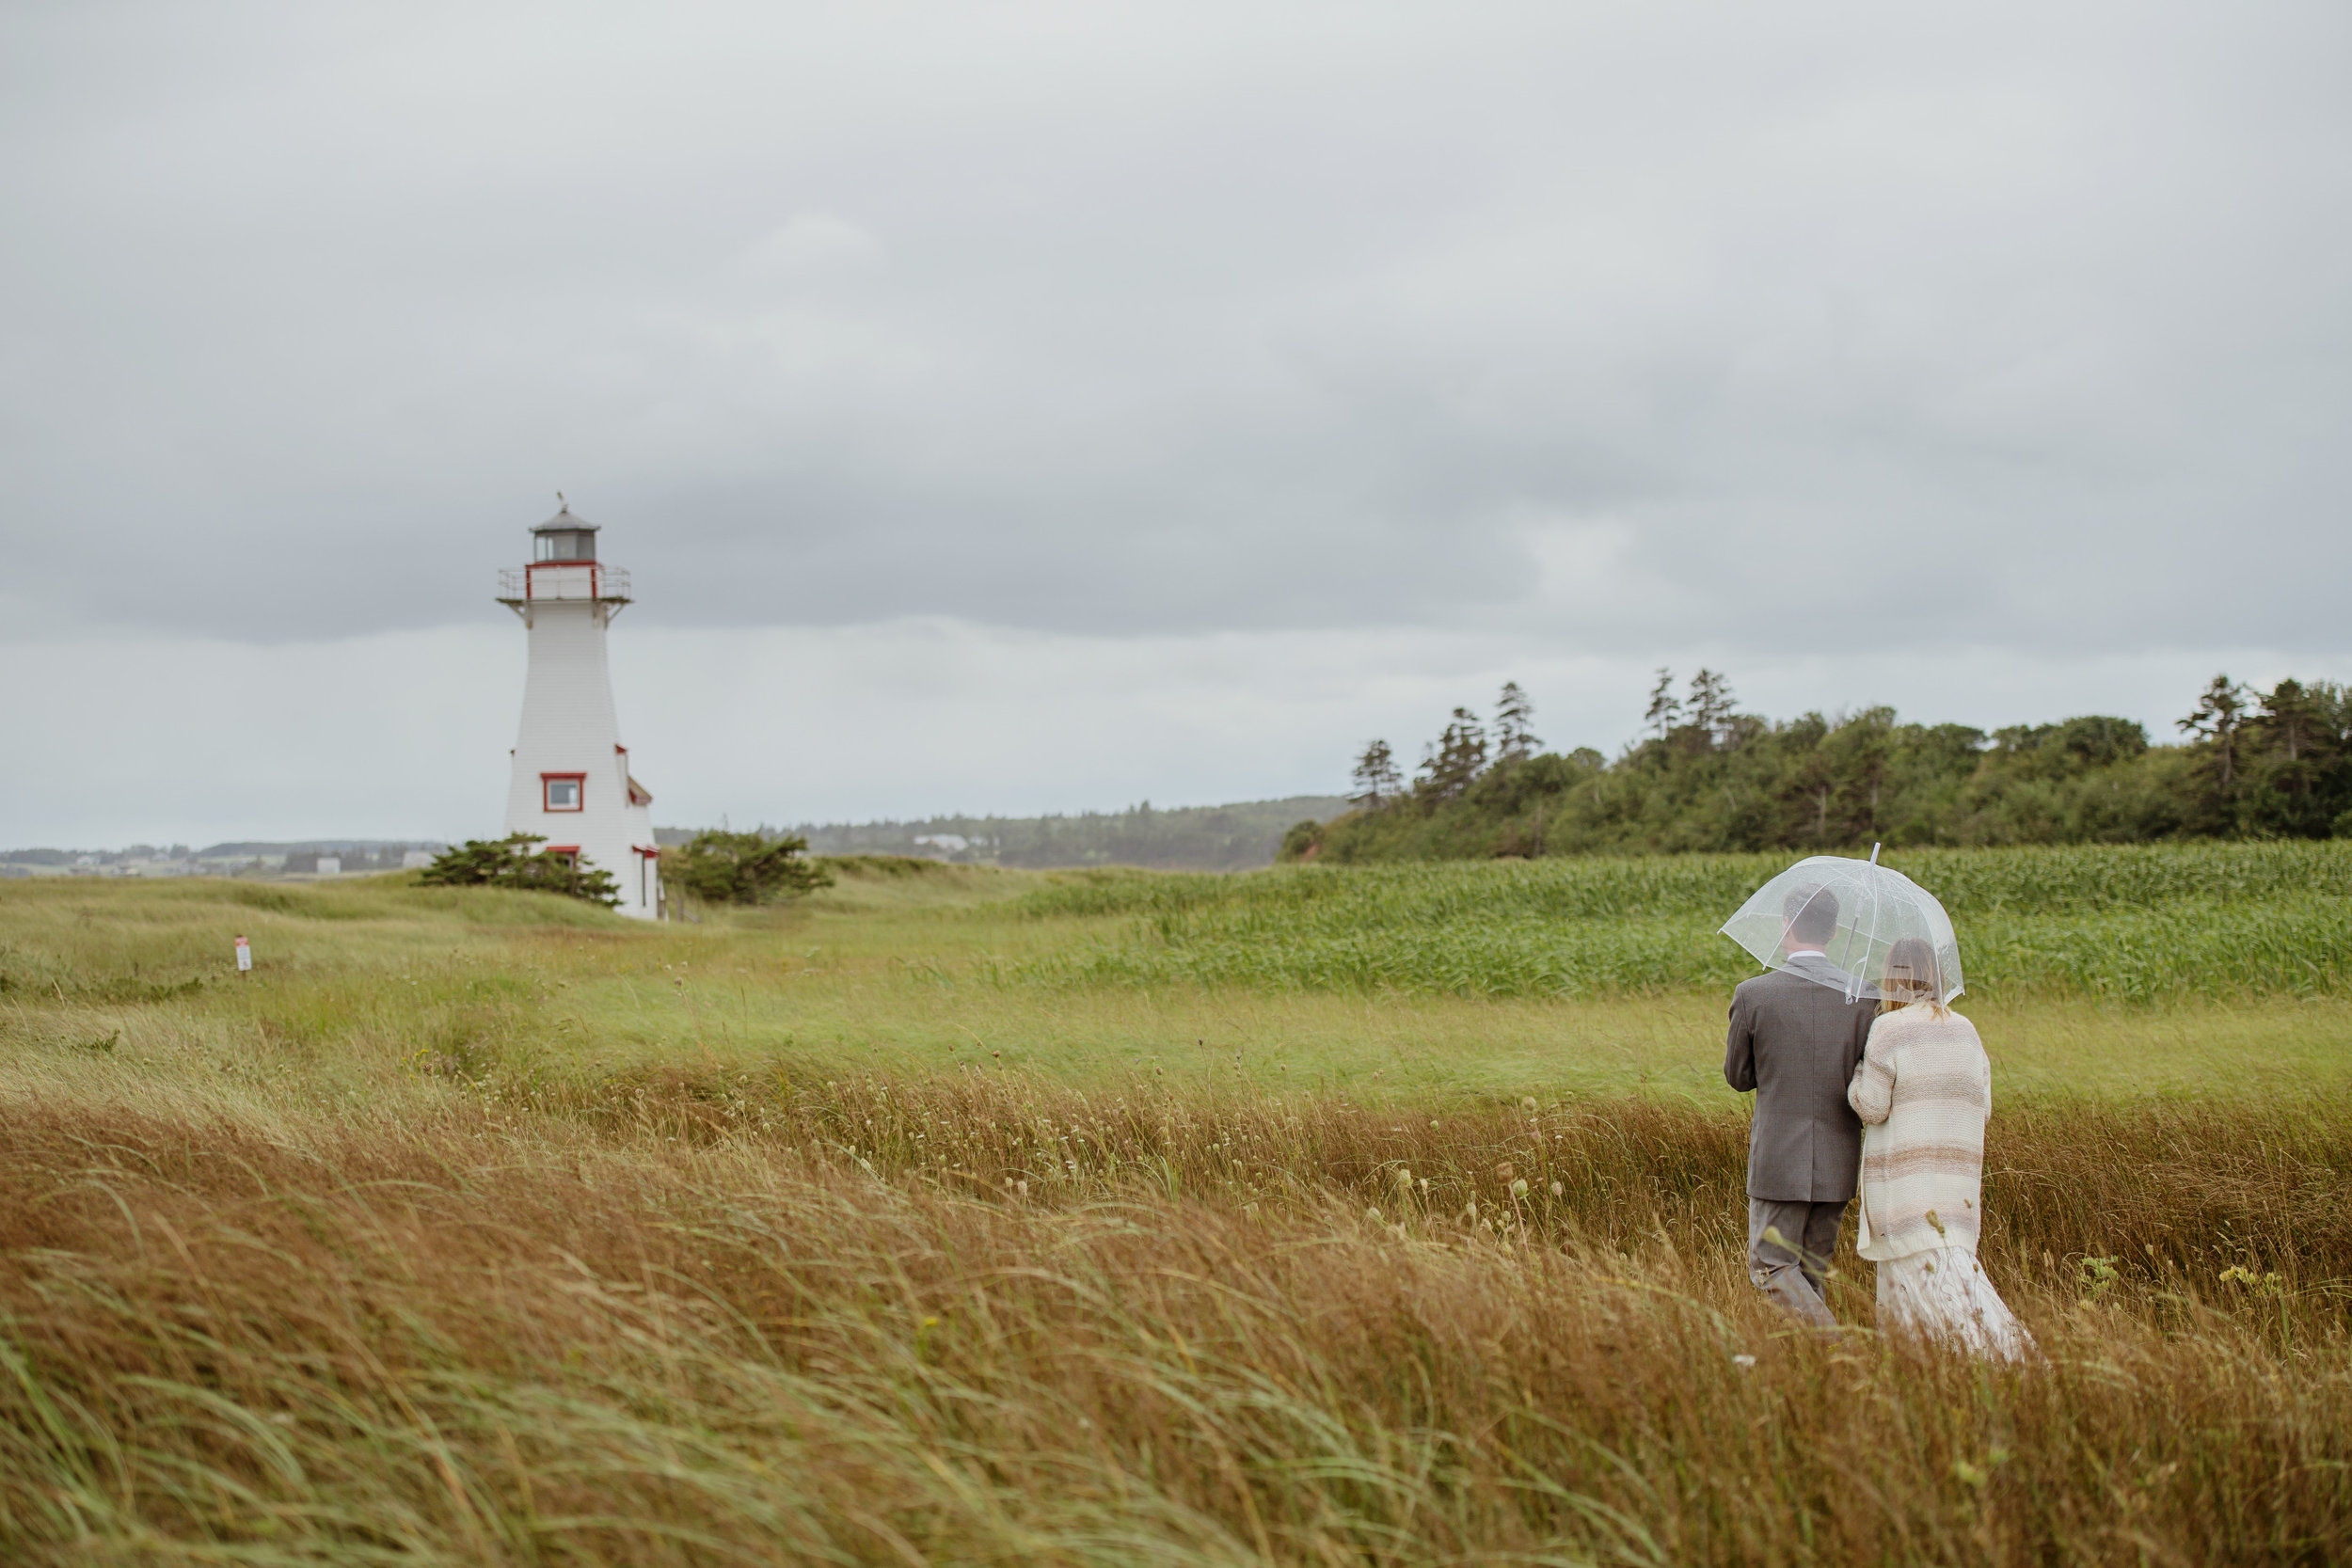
[
  {"x": 745, "y": 868},
  {"x": 511, "y": 862}
]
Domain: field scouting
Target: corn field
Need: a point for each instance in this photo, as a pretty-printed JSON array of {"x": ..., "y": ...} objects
[{"x": 2134, "y": 924}]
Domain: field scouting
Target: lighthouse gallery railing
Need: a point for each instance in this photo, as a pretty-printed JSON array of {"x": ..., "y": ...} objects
[{"x": 562, "y": 581}]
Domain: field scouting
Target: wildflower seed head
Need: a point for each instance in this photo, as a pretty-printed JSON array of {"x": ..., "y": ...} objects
[
  {"x": 1373, "y": 1214},
  {"x": 1518, "y": 1188},
  {"x": 1557, "y": 1190}
]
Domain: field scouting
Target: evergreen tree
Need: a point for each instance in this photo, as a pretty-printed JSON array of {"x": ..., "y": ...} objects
[
  {"x": 2220, "y": 714},
  {"x": 1710, "y": 705},
  {"x": 1515, "y": 729},
  {"x": 1664, "y": 708},
  {"x": 2216, "y": 721},
  {"x": 1450, "y": 767},
  {"x": 1377, "y": 780}
]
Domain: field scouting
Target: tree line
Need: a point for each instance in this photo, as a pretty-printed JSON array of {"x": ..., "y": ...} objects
[{"x": 1705, "y": 776}]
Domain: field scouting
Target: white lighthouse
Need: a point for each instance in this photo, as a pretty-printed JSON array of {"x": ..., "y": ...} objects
[{"x": 572, "y": 785}]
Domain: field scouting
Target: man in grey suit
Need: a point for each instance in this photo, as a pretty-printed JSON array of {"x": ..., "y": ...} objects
[{"x": 1795, "y": 1040}]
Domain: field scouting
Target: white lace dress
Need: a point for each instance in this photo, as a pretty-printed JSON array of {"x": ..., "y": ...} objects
[{"x": 1945, "y": 1295}]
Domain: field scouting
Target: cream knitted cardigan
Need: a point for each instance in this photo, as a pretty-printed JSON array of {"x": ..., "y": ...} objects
[{"x": 1923, "y": 1092}]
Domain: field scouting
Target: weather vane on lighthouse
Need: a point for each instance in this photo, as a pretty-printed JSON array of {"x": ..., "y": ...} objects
[{"x": 571, "y": 782}]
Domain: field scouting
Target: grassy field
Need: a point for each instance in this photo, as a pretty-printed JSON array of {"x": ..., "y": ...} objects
[
  {"x": 959, "y": 1216},
  {"x": 2140, "y": 924}
]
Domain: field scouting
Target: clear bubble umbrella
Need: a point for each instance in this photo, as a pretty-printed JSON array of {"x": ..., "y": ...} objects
[{"x": 1838, "y": 922}]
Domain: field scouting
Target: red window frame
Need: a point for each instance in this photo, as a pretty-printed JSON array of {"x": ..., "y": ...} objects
[{"x": 579, "y": 792}]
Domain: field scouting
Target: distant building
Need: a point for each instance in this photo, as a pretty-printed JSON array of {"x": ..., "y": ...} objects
[
  {"x": 414, "y": 860},
  {"x": 330, "y": 865},
  {"x": 571, "y": 782}
]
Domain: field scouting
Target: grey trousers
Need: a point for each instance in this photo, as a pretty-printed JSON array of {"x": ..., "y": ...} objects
[{"x": 1791, "y": 1268}]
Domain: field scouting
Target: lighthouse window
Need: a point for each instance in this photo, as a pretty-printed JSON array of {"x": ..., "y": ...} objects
[{"x": 563, "y": 791}]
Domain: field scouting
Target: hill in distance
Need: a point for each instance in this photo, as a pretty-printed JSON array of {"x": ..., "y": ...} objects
[{"x": 1242, "y": 836}]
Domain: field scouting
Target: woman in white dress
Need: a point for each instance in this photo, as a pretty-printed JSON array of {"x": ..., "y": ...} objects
[{"x": 1924, "y": 1091}]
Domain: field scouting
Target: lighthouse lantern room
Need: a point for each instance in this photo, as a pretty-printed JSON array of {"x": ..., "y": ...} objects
[{"x": 571, "y": 782}]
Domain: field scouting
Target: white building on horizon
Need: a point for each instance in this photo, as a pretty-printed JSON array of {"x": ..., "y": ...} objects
[{"x": 571, "y": 779}]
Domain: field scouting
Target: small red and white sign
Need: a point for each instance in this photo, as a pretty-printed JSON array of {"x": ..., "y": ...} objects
[{"x": 245, "y": 954}]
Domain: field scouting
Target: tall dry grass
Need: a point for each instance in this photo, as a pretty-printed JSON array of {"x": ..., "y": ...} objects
[
  {"x": 2156, "y": 1184},
  {"x": 703, "y": 1320},
  {"x": 386, "y": 1254}
]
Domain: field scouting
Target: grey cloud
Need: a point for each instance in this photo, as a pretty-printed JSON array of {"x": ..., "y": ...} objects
[{"x": 1074, "y": 319}]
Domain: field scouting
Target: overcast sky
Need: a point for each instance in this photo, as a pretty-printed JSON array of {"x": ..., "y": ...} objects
[{"x": 1029, "y": 407}]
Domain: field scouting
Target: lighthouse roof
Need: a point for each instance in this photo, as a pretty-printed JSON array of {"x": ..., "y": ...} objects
[{"x": 565, "y": 520}]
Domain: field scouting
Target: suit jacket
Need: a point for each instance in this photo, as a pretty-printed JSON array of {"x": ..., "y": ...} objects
[{"x": 1796, "y": 1042}]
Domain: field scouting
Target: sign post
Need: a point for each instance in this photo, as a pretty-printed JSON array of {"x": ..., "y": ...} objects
[{"x": 245, "y": 957}]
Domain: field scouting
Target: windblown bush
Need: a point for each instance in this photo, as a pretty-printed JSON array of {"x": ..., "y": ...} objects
[
  {"x": 744, "y": 868},
  {"x": 511, "y": 862}
]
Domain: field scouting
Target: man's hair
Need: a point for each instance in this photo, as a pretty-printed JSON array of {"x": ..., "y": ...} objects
[{"x": 1811, "y": 913}]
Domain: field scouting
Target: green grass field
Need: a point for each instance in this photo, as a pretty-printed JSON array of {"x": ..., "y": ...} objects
[
  {"x": 955, "y": 1214},
  {"x": 1092, "y": 976}
]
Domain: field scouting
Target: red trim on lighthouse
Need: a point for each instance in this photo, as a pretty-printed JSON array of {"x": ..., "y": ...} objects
[
  {"x": 580, "y": 791},
  {"x": 595, "y": 576}
]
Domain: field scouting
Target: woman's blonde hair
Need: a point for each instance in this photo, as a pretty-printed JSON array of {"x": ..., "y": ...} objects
[{"x": 1912, "y": 975}]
